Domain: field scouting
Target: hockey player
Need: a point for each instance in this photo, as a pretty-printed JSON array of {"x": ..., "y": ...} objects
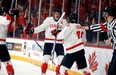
[
  {"x": 74, "y": 37},
  {"x": 110, "y": 27},
  {"x": 5, "y": 19},
  {"x": 49, "y": 25}
]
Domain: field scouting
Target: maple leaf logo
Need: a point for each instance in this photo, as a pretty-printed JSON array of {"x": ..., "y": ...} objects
[
  {"x": 106, "y": 68},
  {"x": 93, "y": 64}
]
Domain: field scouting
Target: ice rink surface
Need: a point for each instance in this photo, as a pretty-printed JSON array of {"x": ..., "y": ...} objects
[{"x": 24, "y": 68}]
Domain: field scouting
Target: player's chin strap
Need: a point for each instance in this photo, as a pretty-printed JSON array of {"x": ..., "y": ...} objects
[{"x": 54, "y": 45}]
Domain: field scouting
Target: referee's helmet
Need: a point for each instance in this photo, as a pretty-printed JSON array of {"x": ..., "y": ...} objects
[{"x": 111, "y": 10}]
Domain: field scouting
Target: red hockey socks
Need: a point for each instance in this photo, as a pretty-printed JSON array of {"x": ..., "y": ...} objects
[
  {"x": 66, "y": 73},
  {"x": 9, "y": 69},
  {"x": 44, "y": 67},
  {"x": 57, "y": 69},
  {"x": 87, "y": 73}
]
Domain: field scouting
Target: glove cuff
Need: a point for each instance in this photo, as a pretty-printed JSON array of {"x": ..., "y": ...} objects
[{"x": 32, "y": 31}]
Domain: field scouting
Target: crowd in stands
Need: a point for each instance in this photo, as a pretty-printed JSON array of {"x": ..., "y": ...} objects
[{"x": 88, "y": 14}]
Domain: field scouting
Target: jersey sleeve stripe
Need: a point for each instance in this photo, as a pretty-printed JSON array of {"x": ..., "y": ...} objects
[
  {"x": 103, "y": 28},
  {"x": 74, "y": 46}
]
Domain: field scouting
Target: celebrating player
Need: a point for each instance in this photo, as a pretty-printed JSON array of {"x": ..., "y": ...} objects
[
  {"x": 110, "y": 27},
  {"x": 5, "y": 19},
  {"x": 74, "y": 37},
  {"x": 50, "y": 25}
]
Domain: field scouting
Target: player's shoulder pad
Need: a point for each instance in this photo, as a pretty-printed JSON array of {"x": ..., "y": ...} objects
[
  {"x": 47, "y": 19},
  {"x": 63, "y": 19}
]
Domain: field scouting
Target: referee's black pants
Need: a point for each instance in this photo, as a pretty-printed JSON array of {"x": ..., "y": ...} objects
[{"x": 112, "y": 66}]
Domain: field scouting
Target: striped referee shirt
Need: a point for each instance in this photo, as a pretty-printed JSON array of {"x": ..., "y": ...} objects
[{"x": 110, "y": 28}]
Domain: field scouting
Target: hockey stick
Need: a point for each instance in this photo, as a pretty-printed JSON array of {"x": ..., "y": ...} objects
[
  {"x": 57, "y": 30},
  {"x": 29, "y": 24},
  {"x": 29, "y": 14},
  {"x": 54, "y": 45},
  {"x": 37, "y": 43},
  {"x": 14, "y": 1},
  {"x": 12, "y": 4}
]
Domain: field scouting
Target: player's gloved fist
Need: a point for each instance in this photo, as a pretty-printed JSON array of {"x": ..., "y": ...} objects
[
  {"x": 29, "y": 31},
  {"x": 2, "y": 11},
  {"x": 55, "y": 32},
  {"x": 13, "y": 12}
]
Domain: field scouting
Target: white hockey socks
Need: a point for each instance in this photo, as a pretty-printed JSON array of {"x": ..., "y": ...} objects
[
  {"x": 63, "y": 70},
  {"x": 60, "y": 57}
]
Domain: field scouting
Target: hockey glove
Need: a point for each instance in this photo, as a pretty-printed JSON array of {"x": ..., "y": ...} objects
[
  {"x": 29, "y": 31},
  {"x": 13, "y": 12},
  {"x": 55, "y": 32},
  {"x": 2, "y": 11}
]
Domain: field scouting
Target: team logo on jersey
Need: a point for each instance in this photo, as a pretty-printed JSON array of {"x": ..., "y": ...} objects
[{"x": 55, "y": 26}]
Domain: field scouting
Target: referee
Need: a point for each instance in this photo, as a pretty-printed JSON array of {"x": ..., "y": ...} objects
[{"x": 110, "y": 27}]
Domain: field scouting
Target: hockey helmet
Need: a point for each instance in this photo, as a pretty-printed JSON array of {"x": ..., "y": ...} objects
[
  {"x": 73, "y": 18},
  {"x": 111, "y": 10},
  {"x": 57, "y": 9},
  {"x": 6, "y": 4}
]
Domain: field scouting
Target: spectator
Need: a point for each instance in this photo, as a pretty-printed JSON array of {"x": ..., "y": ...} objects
[
  {"x": 20, "y": 25},
  {"x": 11, "y": 29}
]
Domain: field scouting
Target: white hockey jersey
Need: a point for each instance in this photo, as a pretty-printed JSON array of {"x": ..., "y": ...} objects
[
  {"x": 74, "y": 37},
  {"x": 49, "y": 24},
  {"x": 4, "y": 22}
]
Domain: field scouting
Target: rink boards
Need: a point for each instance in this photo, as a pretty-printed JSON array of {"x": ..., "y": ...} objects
[{"x": 98, "y": 58}]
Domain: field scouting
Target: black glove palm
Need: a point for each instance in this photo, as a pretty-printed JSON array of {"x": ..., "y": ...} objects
[
  {"x": 13, "y": 12},
  {"x": 55, "y": 32},
  {"x": 31, "y": 31}
]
